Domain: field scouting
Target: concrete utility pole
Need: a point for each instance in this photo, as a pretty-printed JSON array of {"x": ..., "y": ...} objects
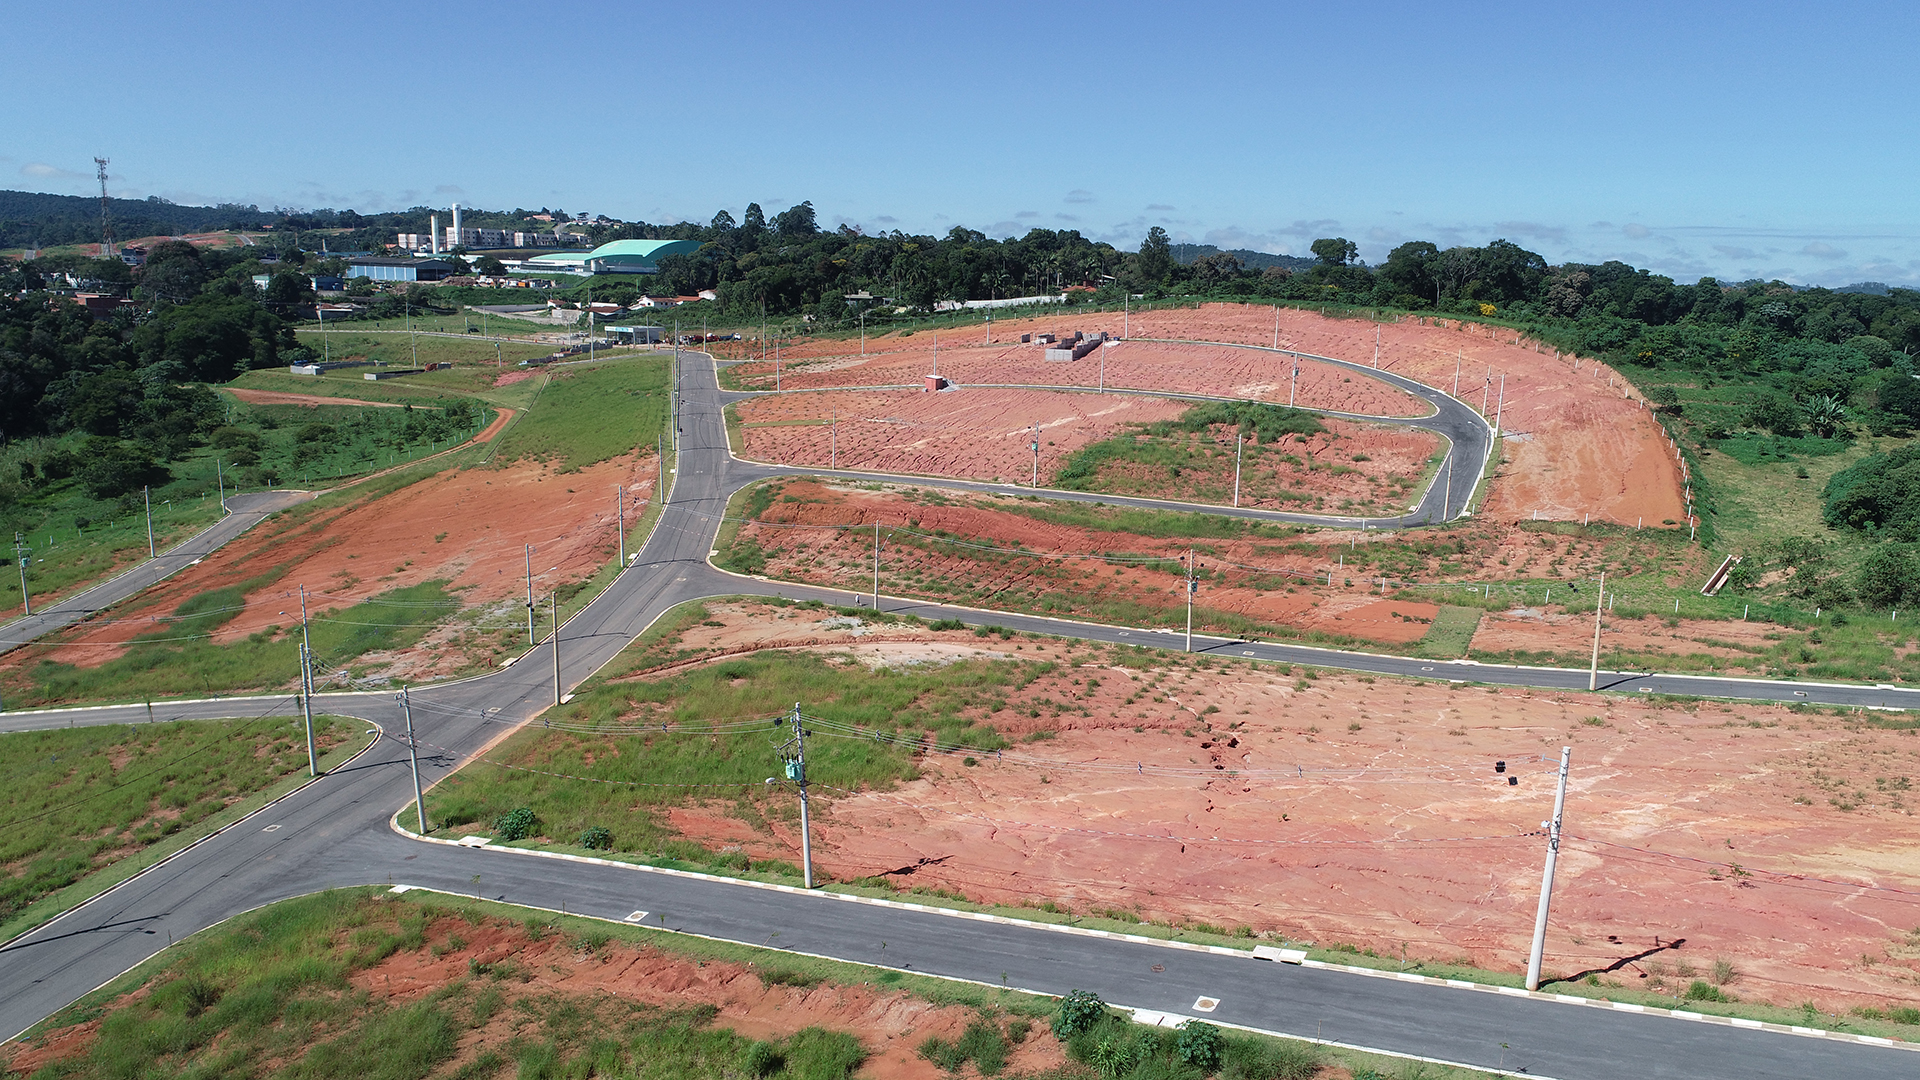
[
  {"x": 1036, "y": 455},
  {"x": 1293, "y": 391},
  {"x": 620, "y": 521},
  {"x": 306, "y": 684},
  {"x": 876, "y": 566},
  {"x": 794, "y": 754},
  {"x": 555, "y": 598},
  {"x": 1192, "y": 585},
  {"x": 22, "y": 553},
  {"x": 1599, "y": 604},
  {"x": 1238, "y": 438},
  {"x": 531, "y": 639},
  {"x": 833, "y": 441},
  {"x": 1276, "y": 326},
  {"x": 146, "y": 495},
  {"x": 413, "y": 751},
  {"x": 1446, "y": 502},
  {"x": 1499, "y": 410},
  {"x": 220, "y": 475},
  {"x": 1459, "y": 358},
  {"x": 1546, "y": 877}
]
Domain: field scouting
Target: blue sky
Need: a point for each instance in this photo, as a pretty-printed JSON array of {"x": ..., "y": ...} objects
[{"x": 1738, "y": 140}]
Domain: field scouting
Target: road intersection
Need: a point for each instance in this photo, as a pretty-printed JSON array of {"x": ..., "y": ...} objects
[{"x": 338, "y": 831}]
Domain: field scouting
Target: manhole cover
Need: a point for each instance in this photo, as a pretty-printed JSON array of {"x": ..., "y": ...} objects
[{"x": 1205, "y": 1004}]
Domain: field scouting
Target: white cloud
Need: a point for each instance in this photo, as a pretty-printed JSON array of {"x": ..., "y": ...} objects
[
  {"x": 1027, "y": 214},
  {"x": 1079, "y": 195},
  {"x": 1820, "y": 249},
  {"x": 42, "y": 171},
  {"x": 1731, "y": 251},
  {"x": 1636, "y": 232}
]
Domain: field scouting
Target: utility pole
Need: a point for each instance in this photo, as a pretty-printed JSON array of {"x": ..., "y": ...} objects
[
  {"x": 306, "y": 684},
  {"x": 1036, "y": 455},
  {"x": 876, "y": 566},
  {"x": 1293, "y": 391},
  {"x": 620, "y": 522},
  {"x": 555, "y": 598},
  {"x": 1459, "y": 358},
  {"x": 863, "y": 332},
  {"x": 1599, "y": 604},
  {"x": 1546, "y": 877},
  {"x": 22, "y": 553},
  {"x": 794, "y": 754},
  {"x": 146, "y": 494},
  {"x": 1446, "y": 503},
  {"x": 1238, "y": 437},
  {"x": 531, "y": 640},
  {"x": 220, "y": 475},
  {"x": 1499, "y": 409},
  {"x": 413, "y": 751},
  {"x": 1276, "y": 326},
  {"x": 833, "y": 443},
  {"x": 1192, "y": 585},
  {"x": 1376, "y": 346}
]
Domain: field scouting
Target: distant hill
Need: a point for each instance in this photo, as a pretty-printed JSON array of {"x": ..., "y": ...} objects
[
  {"x": 33, "y": 219},
  {"x": 1867, "y": 288},
  {"x": 1188, "y": 254}
]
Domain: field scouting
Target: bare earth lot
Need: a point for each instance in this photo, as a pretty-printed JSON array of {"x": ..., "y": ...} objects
[{"x": 1343, "y": 808}]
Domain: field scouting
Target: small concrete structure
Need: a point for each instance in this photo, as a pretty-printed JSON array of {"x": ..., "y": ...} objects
[{"x": 937, "y": 382}]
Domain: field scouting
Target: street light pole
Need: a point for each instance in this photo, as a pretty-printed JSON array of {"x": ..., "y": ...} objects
[
  {"x": 531, "y": 640},
  {"x": 21, "y": 554},
  {"x": 146, "y": 494},
  {"x": 413, "y": 752},
  {"x": 306, "y": 684},
  {"x": 1237, "y": 439},
  {"x": 620, "y": 522},
  {"x": 876, "y": 566},
  {"x": 1546, "y": 877},
  {"x": 1192, "y": 585},
  {"x": 555, "y": 598}
]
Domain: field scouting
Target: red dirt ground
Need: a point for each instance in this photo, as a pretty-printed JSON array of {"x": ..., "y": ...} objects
[
  {"x": 837, "y": 558},
  {"x": 1325, "y": 809},
  {"x": 467, "y": 527},
  {"x": 1137, "y": 365},
  {"x": 1583, "y": 444},
  {"x": 987, "y": 434},
  {"x": 890, "y": 1024},
  {"x": 1571, "y": 633}
]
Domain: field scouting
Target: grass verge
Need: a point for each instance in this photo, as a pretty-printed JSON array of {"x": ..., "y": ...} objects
[{"x": 88, "y": 808}]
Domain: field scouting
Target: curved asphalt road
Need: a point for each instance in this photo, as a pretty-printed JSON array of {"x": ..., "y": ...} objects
[
  {"x": 335, "y": 832},
  {"x": 243, "y": 513}
]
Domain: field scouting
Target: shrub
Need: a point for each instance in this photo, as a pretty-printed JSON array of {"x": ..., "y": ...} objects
[
  {"x": 1079, "y": 1011},
  {"x": 1199, "y": 1044},
  {"x": 1264, "y": 1059},
  {"x": 946, "y": 624},
  {"x": 1702, "y": 990},
  {"x": 763, "y": 1059},
  {"x": 515, "y": 824},
  {"x": 596, "y": 838}
]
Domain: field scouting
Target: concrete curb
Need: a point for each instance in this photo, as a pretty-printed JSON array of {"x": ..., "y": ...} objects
[{"x": 1216, "y": 950}]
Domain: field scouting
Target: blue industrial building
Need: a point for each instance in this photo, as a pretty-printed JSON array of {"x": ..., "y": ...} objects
[{"x": 399, "y": 269}]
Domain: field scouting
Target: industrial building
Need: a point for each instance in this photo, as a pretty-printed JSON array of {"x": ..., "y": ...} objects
[
  {"x": 399, "y": 269},
  {"x": 636, "y": 256}
]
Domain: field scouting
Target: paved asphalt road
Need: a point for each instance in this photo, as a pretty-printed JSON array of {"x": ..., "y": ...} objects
[
  {"x": 243, "y": 513},
  {"x": 335, "y": 832}
]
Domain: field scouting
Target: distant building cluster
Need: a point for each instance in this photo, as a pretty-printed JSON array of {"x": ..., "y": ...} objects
[{"x": 475, "y": 239}]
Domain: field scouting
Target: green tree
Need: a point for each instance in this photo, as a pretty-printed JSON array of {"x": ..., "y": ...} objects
[
  {"x": 1155, "y": 262},
  {"x": 490, "y": 266},
  {"x": 1335, "y": 251}
]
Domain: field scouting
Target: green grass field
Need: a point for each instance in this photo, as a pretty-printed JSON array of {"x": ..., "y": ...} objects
[
  {"x": 79, "y": 801},
  {"x": 732, "y": 763},
  {"x": 413, "y": 350},
  {"x": 590, "y": 413},
  {"x": 178, "y": 658},
  {"x": 270, "y": 994}
]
